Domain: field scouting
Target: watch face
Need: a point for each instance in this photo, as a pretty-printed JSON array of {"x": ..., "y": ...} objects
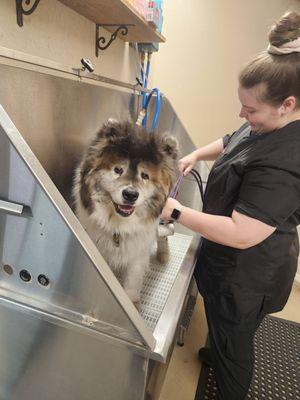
[{"x": 175, "y": 214}]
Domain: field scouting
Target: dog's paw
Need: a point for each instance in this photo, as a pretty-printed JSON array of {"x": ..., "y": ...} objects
[
  {"x": 163, "y": 251},
  {"x": 162, "y": 257},
  {"x": 164, "y": 230}
]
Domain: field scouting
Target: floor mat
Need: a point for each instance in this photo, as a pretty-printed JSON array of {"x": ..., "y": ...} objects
[{"x": 277, "y": 364}]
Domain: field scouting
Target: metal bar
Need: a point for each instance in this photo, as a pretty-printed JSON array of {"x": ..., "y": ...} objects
[
  {"x": 10, "y": 207},
  {"x": 110, "y": 81},
  {"x": 54, "y": 66}
]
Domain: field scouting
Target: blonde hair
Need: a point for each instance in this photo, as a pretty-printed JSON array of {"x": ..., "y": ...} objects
[{"x": 280, "y": 73}]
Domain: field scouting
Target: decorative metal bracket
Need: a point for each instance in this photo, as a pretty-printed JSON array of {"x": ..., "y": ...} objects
[
  {"x": 100, "y": 39},
  {"x": 21, "y": 11}
]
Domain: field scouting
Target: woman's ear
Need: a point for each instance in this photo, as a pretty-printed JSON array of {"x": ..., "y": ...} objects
[{"x": 289, "y": 104}]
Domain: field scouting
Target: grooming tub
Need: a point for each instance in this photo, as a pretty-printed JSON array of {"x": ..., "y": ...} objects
[{"x": 68, "y": 330}]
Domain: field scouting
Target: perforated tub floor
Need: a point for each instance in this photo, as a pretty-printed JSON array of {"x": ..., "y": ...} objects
[
  {"x": 160, "y": 278},
  {"x": 277, "y": 364}
]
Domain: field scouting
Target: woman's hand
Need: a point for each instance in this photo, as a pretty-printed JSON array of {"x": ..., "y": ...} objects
[
  {"x": 187, "y": 163},
  {"x": 169, "y": 207}
]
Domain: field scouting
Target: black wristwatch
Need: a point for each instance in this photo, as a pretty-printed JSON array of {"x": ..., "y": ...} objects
[{"x": 175, "y": 214}]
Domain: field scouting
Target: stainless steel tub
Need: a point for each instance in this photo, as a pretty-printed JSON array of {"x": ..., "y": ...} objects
[{"x": 68, "y": 330}]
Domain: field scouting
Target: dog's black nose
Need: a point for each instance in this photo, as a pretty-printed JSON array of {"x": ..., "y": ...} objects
[{"x": 130, "y": 194}]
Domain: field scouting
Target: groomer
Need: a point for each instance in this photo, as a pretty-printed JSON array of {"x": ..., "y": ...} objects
[{"x": 251, "y": 208}]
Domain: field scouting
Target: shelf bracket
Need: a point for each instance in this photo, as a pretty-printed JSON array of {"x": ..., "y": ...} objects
[
  {"x": 101, "y": 41},
  {"x": 21, "y": 11}
]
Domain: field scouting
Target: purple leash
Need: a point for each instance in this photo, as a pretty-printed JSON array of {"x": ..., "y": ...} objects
[
  {"x": 175, "y": 188},
  {"x": 173, "y": 194}
]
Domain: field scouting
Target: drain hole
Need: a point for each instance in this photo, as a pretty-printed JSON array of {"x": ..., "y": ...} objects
[
  {"x": 25, "y": 275},
  {"x": 8, "y": 269},
  {"x": 43, "y": 280}
]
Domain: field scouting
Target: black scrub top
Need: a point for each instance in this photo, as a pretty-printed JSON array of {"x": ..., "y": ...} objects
[{"x": 257, "y": 175}]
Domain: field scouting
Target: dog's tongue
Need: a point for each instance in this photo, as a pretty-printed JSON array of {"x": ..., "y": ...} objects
[{"x": 125, "y": 207}]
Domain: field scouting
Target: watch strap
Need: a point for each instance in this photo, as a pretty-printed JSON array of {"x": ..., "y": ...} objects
[{"x": 175, "y": 214}]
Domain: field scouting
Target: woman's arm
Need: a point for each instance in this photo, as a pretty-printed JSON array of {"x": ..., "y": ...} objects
[
  {"x": 211, "y": 151},
  {"x": 206, "y": 153},
  {"x": 238, "y": 231}
]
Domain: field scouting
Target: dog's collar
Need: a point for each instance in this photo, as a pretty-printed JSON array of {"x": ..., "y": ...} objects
[{"x": 116, "y": 239}]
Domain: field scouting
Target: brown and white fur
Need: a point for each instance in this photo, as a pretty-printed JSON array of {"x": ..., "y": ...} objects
[{"x": 120, "y": 188}]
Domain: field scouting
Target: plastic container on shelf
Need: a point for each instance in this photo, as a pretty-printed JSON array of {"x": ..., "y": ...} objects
[
  {"x": 154, "y": 14},
  {"x": 141, "y": 6}
]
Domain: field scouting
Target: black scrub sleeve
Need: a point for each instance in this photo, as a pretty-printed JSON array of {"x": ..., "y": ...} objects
[
  {"x": 269, "y": 194},
  {"x": 226, "y": 140}
]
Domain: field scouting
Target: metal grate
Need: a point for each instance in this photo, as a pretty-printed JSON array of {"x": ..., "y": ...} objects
[
  {"x": 277, "y": 364},
  {"x": 160, "y": 278}
]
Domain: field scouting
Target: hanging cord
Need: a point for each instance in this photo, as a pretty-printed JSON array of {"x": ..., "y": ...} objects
[
  {"x": 140, "y": 64},
  {"x": 157, "y": 108},
  {"x": 198, "y": 178},
  {"x": 144, "y": 76},
  {"x": 142, "y": 113},
  {"x": 145, "y": 84},
  {"x": 143, "y": 79},
  {"x": 146, "y": 97},
  {"x": 142, "y": 117}
]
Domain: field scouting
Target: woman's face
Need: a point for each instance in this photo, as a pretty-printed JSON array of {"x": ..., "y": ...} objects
[{"x": 262, "y": 117}]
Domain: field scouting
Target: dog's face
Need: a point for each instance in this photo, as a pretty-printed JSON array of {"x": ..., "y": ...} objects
[
  {"x": 130, "y": 185},
  {"x": 129, "y": 171}
]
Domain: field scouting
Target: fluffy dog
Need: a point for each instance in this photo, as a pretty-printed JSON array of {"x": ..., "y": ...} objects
[{"x": 120, "y": 188}]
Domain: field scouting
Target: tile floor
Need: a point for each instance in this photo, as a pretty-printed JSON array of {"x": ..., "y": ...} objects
[{"x": 184, "y": 369}]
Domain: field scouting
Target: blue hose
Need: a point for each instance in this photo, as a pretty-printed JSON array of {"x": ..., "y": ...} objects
[
  {"x": 157, "y": 109},
  {"x": 145, "y": 94},
  {"x": 146, "y": 97},
  {"x": 143, "y": 112}
]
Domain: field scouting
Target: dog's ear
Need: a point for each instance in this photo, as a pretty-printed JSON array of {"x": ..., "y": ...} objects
[
  {"x": 110, "y": 129},
  {"x": 169, "y": 145}
]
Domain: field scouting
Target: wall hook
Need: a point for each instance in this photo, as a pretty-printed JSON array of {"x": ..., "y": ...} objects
[
  {"x": 100, "y": 39},
  {"x": 21, "y": 11},
  {"x": 87, "y": 64}
]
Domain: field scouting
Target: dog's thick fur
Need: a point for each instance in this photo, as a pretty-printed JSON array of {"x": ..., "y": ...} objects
[{"x": 120, "y": 188}]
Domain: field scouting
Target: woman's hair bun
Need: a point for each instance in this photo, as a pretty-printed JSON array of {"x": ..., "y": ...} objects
[{"x": 285, "y": 30}]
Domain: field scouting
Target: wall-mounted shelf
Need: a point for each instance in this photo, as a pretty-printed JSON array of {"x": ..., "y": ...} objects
[{"x": 117, "y": 12}]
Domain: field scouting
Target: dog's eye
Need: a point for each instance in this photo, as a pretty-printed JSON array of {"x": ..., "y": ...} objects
[
  {"x": 144, "y": 176},
  {"x": 118, "y": 170}
]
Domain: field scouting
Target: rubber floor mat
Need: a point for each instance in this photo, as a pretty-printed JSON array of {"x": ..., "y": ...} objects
[{"x": 277, "y": 364}]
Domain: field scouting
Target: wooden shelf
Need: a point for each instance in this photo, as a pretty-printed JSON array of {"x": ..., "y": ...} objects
[{"x": 117, "y": 12}]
